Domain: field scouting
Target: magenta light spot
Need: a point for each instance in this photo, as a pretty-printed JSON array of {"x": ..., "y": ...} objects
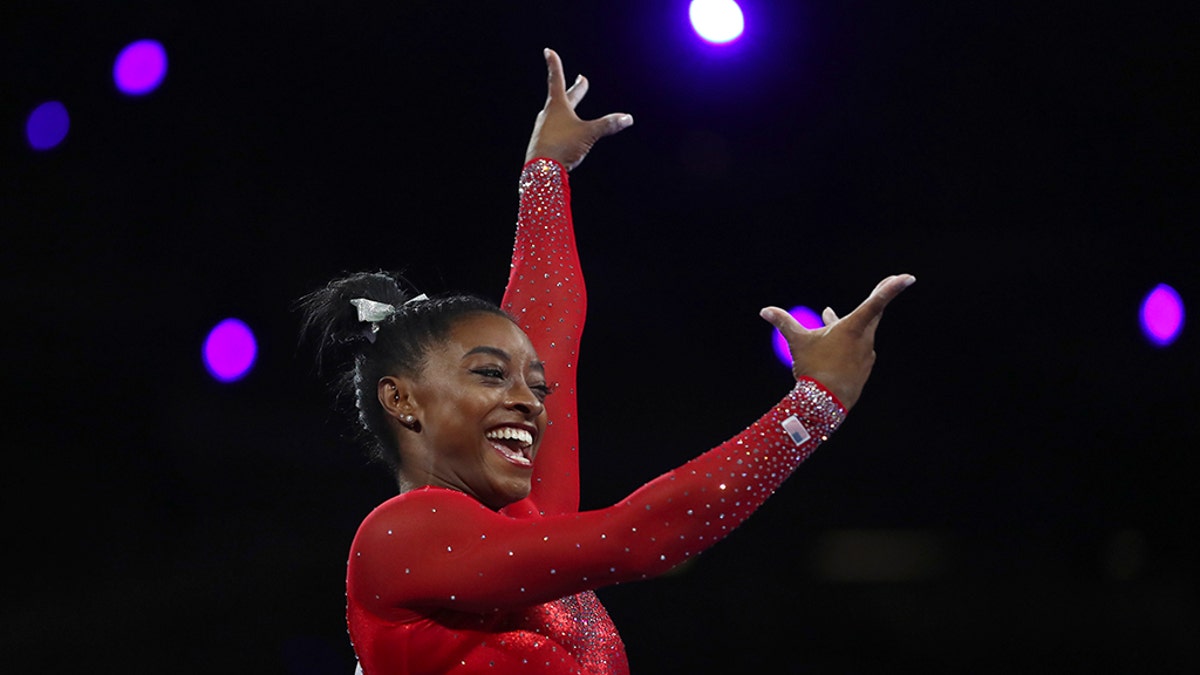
[
  {"x": 229, "y": 350},
  {"x": 717, "y": 21},
  {"x": 807, "y": 318},
  {"x": 47, "y": 125},
  {"x": 140, "y": 67},
  {"x": 1162, "y": 315}
]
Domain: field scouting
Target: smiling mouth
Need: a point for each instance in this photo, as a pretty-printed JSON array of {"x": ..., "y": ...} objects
[{"x": 514, "y": 444}]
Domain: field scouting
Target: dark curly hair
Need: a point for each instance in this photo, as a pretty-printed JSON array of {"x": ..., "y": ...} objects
[{"x": 362, "y": 356}]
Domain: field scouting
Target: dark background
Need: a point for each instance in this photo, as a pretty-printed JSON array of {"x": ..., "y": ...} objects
[{"x": 1014, "y": 492}]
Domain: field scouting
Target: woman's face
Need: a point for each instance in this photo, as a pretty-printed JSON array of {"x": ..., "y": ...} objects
[{"x": 480, "y": 406}]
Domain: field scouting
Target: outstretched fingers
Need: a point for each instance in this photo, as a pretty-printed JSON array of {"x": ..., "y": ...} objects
[
  {"x": 559, "y": 133},
  {"x": 865, "y": 317}
]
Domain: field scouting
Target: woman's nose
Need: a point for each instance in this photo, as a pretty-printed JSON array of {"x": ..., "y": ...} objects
[{"x": 524, "y": 400}]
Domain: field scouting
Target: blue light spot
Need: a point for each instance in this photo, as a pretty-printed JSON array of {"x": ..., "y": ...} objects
[
  {"x": 47, "y": 125},
  {"x": 230, "y": 350},
  {"x": 717, "y": 21},
  {"x": 1162, "y": 315},
  {"x": 807, "y": 318},
  {"x": 140, "y": 67}
]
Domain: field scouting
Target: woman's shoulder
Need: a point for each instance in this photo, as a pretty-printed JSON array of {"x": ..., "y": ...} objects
[
  {"x": 419, "y": 508},
  {"x": 398, "y": 546}
]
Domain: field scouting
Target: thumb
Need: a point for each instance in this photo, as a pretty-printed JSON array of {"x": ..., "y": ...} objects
[{"x": 611, "y": 124}]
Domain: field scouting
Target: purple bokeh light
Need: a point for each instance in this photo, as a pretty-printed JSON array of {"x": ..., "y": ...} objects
[
  {"x": 230, "y": 350},
  {"x": 140, "y": 67},
  {"x": 717, "y": 21},
  {"x": 807, "y": 318},
  {"x": 47, "y": 125},
  {"x": 1162, "y": 315}
]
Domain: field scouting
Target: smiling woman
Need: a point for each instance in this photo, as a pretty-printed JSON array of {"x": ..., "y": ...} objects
[
  {"x": 483, "y": 563},
  {"x": 480, "y": 401}
]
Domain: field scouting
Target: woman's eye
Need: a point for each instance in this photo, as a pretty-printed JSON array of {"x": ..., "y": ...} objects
[
  {"x": 494, "y": 373},
  {"x": 542, "y": 391}
]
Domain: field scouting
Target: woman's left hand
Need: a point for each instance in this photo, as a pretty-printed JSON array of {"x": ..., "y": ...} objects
[
  {"x": 841, "y": 354},
  {"x": 558, "y": 133}
]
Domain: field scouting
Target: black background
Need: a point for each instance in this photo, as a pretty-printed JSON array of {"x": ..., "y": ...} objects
[{"x": 1034, "y": 164}]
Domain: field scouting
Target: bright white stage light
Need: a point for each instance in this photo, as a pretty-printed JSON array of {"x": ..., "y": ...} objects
[{"x": 717, "y": 21}]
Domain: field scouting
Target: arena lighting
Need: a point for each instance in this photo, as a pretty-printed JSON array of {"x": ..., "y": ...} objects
[
  {"x": 807, "y": 318},
  {"x": 140, "y": 67},
  {"x": 47, "y": 125},
  {"x": 717, "y": 21},
  {"x": 229, "y": 350},
  {"x": 1162, "y": 315}
]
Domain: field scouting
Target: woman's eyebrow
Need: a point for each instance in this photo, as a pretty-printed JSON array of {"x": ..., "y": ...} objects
[{"x": 494, "y": 351}]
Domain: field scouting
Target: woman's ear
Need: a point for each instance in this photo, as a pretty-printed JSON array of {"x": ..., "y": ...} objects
[{"x": 396, "y": 397}]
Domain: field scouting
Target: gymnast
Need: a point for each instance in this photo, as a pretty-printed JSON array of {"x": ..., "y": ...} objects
[{"x": 483, "y": 563}]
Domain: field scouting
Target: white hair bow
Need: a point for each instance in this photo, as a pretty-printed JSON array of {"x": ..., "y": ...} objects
[{"x": 373, "y": 312}]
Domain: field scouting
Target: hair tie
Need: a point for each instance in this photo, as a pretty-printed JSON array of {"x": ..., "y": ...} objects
[{"x": 373, "y": 312}]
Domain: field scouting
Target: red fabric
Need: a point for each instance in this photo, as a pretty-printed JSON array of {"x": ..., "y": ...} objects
[
  {"x": 439, "y": 583},
  {"x": 546, "y": 296}
]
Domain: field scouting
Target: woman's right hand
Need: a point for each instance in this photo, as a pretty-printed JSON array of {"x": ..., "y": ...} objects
[
  {"x": 558, "y": 133},
  {"x": 841, "y": 354}
]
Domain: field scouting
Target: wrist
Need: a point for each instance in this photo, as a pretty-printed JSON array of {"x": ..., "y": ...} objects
[
  {"x": 533, "y": 159},
  {"x": 544, "y": 173},
  {"x": 823, "y": 412}
]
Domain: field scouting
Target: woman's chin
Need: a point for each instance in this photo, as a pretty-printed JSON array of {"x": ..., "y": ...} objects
[
  {"x": 515, "y": 492},
  {"x": 521, "y": 490},
  {"x": 506, "y": 492}
]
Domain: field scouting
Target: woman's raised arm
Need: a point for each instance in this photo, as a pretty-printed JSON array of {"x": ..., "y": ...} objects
[{"x": 545, "y": 291}]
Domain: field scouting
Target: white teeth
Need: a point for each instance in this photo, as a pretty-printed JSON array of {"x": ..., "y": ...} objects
[
  {"x": 523, "y": 438},
  {"x": 511, "y": 434}
]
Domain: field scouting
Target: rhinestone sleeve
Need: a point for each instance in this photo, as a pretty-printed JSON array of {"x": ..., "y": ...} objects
[
  {"x": 546, "y": 296},
  {"x": 438, "y": 547}
]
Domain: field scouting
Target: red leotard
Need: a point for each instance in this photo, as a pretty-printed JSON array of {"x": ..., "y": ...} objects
[{"x": 438, "y": 583}]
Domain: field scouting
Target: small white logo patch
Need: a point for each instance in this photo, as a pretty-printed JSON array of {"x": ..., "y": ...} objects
[{"x": 796, "y": 431}]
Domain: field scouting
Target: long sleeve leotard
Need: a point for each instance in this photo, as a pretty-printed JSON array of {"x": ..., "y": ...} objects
[{"x": 438, "y": 583}]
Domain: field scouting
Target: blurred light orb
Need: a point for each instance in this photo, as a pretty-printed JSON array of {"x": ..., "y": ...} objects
[
  {"x": 140, "y": 67},
  {"x": 230, "y": 350},
  {"x": 807, "y": 318},
  {"x": 717, "y": 21},
  {"x": 1162, "y": 315},
  {"x": 47, "y": 125}
]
